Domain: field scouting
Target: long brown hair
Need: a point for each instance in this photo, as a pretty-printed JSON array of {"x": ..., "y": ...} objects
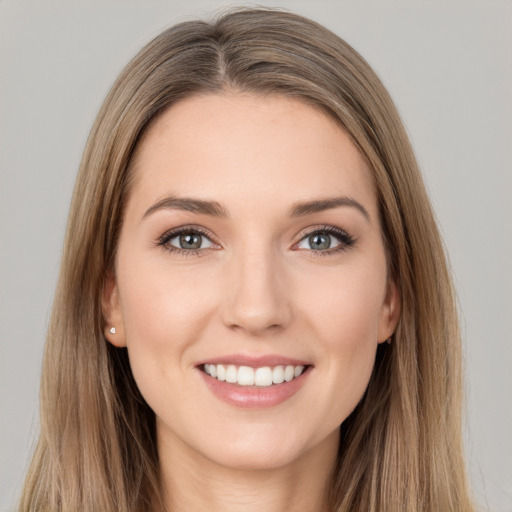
[{"x": 401, "y": 449}]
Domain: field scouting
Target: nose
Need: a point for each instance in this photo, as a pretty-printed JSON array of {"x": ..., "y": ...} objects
[{"x": 256, "y": 299}]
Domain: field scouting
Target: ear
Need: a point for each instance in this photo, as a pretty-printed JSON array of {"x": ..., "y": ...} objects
[
  {"x": 112, "y": 312},
  {"x": 390, "y": 312}
]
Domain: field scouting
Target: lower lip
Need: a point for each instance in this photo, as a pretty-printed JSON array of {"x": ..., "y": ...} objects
[{"x": 254, "y": 397}]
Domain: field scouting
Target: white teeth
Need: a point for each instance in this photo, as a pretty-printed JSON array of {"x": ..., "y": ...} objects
[
  {"x": 263, "y": 376},
  {"x": 221, "y": 372},
  {"x": 231, "y": 374},
  {"x": 247, "y": 376},
  {"x": 289, "y": 373},
  {"x": 278, "y": 375}
]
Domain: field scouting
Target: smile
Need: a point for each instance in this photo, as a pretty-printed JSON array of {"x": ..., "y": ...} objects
[
  {"x": 247, "y": 376},
  {"x": 254, "y": 382}
]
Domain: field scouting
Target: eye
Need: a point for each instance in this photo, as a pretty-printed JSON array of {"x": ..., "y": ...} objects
[
  {"x": 190, "y": 240},
  {"x": 328, "y": 239},
  {"x": 186, "y": 240},
  {"x": 318, "y": 241}
]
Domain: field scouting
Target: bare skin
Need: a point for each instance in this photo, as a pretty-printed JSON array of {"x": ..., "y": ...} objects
[
  {"x": 251, "y": 237},
  {"x": 201, "y": 484}
]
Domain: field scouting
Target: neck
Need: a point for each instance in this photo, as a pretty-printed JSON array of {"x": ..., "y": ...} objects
[{"x": 194, "y": 483}]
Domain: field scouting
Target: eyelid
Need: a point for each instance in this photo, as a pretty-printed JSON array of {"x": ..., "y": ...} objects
[
  {"x": 174, "y": 232},
  {"x": 345, "y": 239}
]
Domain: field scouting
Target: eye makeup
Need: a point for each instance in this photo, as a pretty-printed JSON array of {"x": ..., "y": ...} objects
[
  {"x": 322, "y": 236},
  {"x": 191, "y": 235},
  {"x": 322, "y": 240}
]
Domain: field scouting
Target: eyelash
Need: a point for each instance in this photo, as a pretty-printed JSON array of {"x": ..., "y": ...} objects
[
  {"x": 163, "y": 241},
  {"x": 346, "y": 240}
]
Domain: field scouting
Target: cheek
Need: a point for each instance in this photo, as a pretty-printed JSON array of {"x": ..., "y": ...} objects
[
  {"x": 343, "y": 317},
  {"x": 160, "y": 304},
  {"x": 164, "y": 314},
  {"x": 352, "y": 323},
  {"x": 344, "y": 306}
]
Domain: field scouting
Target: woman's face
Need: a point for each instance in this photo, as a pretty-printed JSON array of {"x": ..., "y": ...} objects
[{"x": 250, "y": 282}]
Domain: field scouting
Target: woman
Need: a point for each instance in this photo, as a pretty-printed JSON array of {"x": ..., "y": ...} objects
[{"x": 254, "y": 309}]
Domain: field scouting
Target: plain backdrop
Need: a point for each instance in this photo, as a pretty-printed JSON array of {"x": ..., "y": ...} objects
[{"x": 447, "y": 64}]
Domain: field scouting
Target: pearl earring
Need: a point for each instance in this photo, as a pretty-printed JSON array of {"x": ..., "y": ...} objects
[{"x": 112, "y": 330}]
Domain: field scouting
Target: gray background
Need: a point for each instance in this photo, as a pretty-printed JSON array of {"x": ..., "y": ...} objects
[{"x": 448, "y": 64}]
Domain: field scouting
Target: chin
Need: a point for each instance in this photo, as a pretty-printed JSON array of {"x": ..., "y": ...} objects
[
  {"x": 257, "y": 459},
  {"x": 265, "y": 451}
]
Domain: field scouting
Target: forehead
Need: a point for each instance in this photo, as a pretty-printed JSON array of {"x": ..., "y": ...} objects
[{"x": 244, "y": 145}]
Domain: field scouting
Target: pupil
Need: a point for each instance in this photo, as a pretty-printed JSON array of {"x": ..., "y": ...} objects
[
  {"x": 190, "y": 241},
  {"x": 320, "y": 241}
]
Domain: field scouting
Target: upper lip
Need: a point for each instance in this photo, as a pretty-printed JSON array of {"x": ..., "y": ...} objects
[{"x": 255, "y": 361}]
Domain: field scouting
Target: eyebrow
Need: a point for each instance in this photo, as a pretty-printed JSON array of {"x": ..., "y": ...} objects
[
  {"x": 188, "y": 204},
  {"x": 215, "y": 209},
  {"x": 307, "y": 208}
]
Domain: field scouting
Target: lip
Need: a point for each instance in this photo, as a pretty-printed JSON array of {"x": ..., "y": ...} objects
[
  {"x": 255, "y": 361},
  {"x": 254, "y": 397}
]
